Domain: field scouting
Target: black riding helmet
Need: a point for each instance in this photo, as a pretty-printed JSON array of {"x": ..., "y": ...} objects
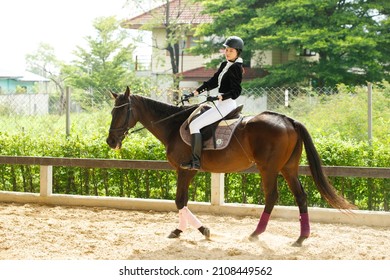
[{"x": 235, "y": 43}]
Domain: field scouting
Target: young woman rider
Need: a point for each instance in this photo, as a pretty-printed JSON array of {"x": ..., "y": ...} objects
[{"x": 228, "y": 81}]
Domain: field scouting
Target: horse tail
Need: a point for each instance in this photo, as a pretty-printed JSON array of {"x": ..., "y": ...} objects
[{"x": 327, "y": 191}]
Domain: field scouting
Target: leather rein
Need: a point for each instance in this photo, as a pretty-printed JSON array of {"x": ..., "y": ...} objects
[{"x": 126, "y": 128}]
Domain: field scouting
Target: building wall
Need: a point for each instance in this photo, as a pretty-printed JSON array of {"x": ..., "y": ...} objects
[
  {"x": 261, "y": 58},
  {"x": 161, "y": 59},
  {"x": 10, "y": 85}
]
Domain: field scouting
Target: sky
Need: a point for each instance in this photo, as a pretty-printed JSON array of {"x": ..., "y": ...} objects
[{"x": 63, "y": 24}]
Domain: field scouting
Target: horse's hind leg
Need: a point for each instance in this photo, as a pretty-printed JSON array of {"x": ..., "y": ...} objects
[
  {"x": 296, "y": 188},
  {"x": 271, "y": 195}
]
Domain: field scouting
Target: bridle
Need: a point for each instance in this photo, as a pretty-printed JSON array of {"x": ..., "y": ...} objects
[{"x": 125, "y": 128}]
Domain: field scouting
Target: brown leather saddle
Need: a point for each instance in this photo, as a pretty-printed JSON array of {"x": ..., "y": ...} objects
[{"x": 216, "y": 136}]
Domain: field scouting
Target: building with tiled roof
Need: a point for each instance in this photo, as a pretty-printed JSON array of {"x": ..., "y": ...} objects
[
  {"x": 183, "y": 12},
  {"x": 178, "y": 13},
  {"x": 191, "y": 68}
]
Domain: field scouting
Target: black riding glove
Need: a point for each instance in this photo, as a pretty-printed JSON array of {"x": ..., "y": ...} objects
[
  {"x": 187, "y": 97},
  {"x": 212, "y": 98}
]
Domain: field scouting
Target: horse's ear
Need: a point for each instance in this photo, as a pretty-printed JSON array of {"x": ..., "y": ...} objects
[
  {"x": 127, "y": 92},
  {"x": 113, "y": 94}
]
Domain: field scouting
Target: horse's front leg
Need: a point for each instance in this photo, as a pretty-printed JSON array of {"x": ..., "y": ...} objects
[{"x": 185, "y": 215}]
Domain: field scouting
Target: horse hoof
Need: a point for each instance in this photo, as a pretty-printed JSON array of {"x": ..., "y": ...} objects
[
  {"x": 175, "y": 234},
  {"x": 296, "y": 244},
  {"x": 206, "y": 233},
  {"x": 299, "y": 242},
  {"x": 253, "y": 237}
]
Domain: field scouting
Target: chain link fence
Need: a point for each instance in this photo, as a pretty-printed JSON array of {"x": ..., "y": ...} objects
[{"x": 47, "y": 114}]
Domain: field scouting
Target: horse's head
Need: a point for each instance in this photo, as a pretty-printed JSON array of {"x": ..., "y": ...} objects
[{"x": 122, "y": 119}]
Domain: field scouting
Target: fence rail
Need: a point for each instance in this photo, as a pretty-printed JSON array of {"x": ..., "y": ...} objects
[
  {"x": 337, "y": 171},
  {"x": 217, "y": 204}
]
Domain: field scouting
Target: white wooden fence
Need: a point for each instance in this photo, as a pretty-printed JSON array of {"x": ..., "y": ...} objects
[{"x": 216, "y": 205}]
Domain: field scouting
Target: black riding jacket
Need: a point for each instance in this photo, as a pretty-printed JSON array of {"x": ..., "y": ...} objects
[{"x": 230, "y": 84}]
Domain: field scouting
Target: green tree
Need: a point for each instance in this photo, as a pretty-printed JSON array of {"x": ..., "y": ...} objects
[
  {"x": 227, "y": 16},
  {"x": 45, "y": 63},
  {"x": 106, "y": 62},
  {"x": 350, "y": 37}
]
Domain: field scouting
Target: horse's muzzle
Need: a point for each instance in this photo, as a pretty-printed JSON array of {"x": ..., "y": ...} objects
[{"x": 114, "y": 142}]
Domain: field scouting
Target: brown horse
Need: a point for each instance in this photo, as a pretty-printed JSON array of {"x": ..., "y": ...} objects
[{"x": 271, "y": 141}]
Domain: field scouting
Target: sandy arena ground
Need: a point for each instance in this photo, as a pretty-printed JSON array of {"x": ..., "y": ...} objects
[{"x": 36, "y": 232}]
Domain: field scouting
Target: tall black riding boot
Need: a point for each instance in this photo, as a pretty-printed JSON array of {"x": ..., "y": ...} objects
[{"x": 196, "y": 147}]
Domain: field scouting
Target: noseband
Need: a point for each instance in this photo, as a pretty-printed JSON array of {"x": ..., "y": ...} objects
[{"x": 125, "y": 128}]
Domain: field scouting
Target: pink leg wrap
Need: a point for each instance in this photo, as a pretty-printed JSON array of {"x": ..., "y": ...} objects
[
  {"x": 183, "y": 223},
  {"x": 189, "y": 217},
  {"x": 305, "y": 226},
  {"x": 262, "y": 223}
]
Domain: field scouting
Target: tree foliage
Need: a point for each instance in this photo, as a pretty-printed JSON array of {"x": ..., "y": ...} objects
[
  {"x": 227, "y": 17},
  {"x": 350, "y": 37},
  {"x": 106, "y": 62},
  {"x": 45, "y": 63}
]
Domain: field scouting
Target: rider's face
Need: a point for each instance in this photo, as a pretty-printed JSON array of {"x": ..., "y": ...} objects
[{"x": 231, "y": 54}]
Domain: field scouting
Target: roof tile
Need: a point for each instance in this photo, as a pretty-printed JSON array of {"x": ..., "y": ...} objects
[{"x": 180, "y": 11}]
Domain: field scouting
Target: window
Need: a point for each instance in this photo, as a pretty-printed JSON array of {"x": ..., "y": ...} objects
[
  {"x": 307, "y": 52},
  {"x": 184, "y": 45}
]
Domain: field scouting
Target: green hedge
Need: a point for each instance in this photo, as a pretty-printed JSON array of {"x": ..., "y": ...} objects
[{"x": 370, "y": 194}]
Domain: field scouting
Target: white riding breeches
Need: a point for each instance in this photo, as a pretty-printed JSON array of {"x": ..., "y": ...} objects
[{"x": 212, "y": 115}]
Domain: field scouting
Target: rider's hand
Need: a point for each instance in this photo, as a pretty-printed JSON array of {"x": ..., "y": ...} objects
[
  {"x": 187, "y": 96},
  {"x": 212, "y": 98}
]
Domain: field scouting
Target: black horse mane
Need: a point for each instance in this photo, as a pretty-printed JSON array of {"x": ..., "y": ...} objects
[{"x": 164, "y": 110}]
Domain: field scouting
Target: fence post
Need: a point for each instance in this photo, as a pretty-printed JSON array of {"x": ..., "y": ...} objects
[
  {"x": 46, "y": 180},
  {"x": 67, "y": 91},
  {"x": 286, "y": 97},
  {"x": 217, "y": 188},
  {"x": 369, "y": 91}
]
